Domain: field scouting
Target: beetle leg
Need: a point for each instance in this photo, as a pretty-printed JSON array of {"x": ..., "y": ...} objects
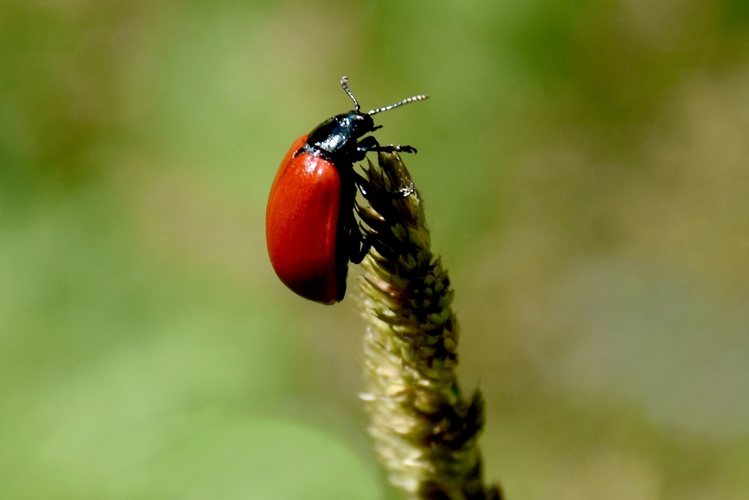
[
  {"x": 395, "y": 148},
  {"x": 357, "y": 254},
  {"x": 359, "y": 244},
  {"x": 369, "y": 143}
]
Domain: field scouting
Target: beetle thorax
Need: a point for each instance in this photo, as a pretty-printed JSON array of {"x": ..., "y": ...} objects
[{"x": 338, "y": 136}]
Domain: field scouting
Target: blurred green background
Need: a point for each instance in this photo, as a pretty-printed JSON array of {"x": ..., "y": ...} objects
[{"x": 585, "y": 166}]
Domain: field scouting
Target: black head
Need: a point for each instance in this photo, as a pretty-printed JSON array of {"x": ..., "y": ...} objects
[
  {"x": 337, "y": 137},
  {"x": 357, "y": 123}
]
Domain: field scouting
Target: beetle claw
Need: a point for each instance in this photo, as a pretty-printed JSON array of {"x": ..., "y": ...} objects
[
  {"x": 405, "y": 149},
  {"x": 393, "y": 148}
]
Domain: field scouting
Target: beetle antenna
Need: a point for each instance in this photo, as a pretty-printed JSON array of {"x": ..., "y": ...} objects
[
  {"x": 415, "y": 98},
  {"x": 344, "y": 84}
]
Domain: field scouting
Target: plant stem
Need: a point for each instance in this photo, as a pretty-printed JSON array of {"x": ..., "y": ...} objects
[{"x": 425, "y": 431}]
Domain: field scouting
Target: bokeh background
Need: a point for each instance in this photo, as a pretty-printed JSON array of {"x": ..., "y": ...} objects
[{"x": 585, "y": 166}]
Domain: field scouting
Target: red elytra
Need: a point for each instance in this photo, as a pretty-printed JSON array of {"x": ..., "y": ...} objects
[
  {"x": 302, "y": 224},
  {"x": 310, "y": 226}
]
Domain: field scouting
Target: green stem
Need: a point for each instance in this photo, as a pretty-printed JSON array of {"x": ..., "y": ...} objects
[{"x": 425, "y": 431}]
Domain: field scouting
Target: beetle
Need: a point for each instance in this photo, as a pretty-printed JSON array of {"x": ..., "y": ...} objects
[{"x": 310, "y": 227}]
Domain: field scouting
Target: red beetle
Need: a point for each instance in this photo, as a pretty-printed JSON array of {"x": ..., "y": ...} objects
[{"x": 310, "y": 226}]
